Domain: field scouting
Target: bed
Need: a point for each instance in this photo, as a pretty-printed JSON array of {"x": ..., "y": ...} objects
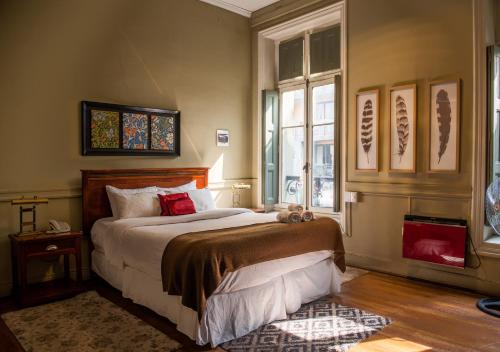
[{"x": 128, "y": 254}]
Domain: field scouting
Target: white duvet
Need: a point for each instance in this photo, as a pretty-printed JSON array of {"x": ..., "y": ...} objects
[
  {"x": 140, "y": 243},
  {"x": 245, "y": 299}
]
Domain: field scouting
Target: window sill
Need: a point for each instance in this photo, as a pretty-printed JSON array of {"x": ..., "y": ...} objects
[
  {"x": 490, "y": 245},
  {"x": 334, "y": 215},
  {"x": 493, "y": 240}
]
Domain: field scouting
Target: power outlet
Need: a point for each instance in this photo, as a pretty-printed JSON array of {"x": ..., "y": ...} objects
[{"x": 351, "y": 197}]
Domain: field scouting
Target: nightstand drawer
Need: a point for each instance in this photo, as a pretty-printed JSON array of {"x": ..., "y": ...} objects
[{"x": 49, "y": 246}]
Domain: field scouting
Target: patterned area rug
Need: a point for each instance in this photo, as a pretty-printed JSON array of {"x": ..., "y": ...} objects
[
  {"x": 320, "y": 326},
  {"x": 87, "y": 322}
]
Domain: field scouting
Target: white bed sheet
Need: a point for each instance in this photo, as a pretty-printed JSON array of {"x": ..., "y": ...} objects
[{"x": 228, "y": 315}]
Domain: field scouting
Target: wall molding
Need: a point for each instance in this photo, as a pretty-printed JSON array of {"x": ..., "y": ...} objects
[
  {"x": 7, "y": 195},
  {"x": 279, "y": 10},
  {"x": 6, "y": 286},
  {"x": 409, "y": 190},
  {"x": 455, "y": 277},
  {"x": 229, "y": 7}
]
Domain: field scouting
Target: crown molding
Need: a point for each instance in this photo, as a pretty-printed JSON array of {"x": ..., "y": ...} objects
[{"x": 229, "y": 7}]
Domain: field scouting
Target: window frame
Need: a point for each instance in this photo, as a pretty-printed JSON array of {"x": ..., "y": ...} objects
[
  {"x": 480, "y": 139},
  {"x": 267, "y": 79}
]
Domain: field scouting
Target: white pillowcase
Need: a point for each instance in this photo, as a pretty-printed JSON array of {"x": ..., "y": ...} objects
[
  {"x": 191, "y": 186},
  {"x": 113, "y": 192},
  {"x": 137, "y": 205},
  {"x": 202, "y": 199}
]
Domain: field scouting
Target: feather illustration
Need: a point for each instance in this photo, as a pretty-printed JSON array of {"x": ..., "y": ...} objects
[
  {"x": 403, "y": 126},
  {"x": 444, "y": 120},
  {"x": 367, "y": 128}
]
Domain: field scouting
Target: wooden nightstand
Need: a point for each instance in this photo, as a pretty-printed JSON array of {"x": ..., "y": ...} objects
[{"x": 39, "y": 246}]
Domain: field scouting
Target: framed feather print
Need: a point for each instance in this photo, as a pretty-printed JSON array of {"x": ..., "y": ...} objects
[
  {"x": 403, "y": 136},
  {"x": 367, "y": 121},
  {"x": 444, "y": 126}
]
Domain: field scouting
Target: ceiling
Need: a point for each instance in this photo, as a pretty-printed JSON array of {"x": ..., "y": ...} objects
[{"x": 242, "y": 7}]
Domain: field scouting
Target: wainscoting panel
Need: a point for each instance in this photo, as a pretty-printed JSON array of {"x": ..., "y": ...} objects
[{"x": 375, "y": 226}]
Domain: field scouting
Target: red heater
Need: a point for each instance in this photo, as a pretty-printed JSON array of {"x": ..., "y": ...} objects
[{"x": 435, "y": 240}]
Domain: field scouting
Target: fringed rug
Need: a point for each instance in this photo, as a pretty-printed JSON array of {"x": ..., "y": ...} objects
[
  {"x": 320, "y": 326},
  {"x": 85, "y": 323}
]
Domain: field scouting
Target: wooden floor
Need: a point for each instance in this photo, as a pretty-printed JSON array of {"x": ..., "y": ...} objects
[{"x": 426, "y": 317}]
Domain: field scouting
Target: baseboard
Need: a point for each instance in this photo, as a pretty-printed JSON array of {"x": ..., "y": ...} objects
[
  {"x": 6, "y": 286},
  {"x": 460, "y": 278}
]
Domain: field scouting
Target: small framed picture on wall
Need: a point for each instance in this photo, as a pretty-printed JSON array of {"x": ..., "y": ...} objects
[
  {"x": 444, "y": 126},
  {"x": 367, "y": 123},
  {"x": 403, "y": 138},
  {"x": 222, "y": 138}
]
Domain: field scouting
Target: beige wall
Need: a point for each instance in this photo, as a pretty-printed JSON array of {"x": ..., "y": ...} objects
[
  {"x": 184, "y": 55},
  {"x": 390, "y": 42}
]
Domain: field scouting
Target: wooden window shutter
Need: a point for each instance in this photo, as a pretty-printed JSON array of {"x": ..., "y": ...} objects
[{"x": 270, "y": 162}]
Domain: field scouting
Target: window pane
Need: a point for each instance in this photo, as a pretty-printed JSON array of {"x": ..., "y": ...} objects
[
  {"x": 292, "y": 161},
  {"x": 293, "y": 107},
  {"x": 325, "y": 50},
  {"x": 291, "y": 59},
  {"x": 322, "y": 166},
  {"x": 323, "y": 103}
]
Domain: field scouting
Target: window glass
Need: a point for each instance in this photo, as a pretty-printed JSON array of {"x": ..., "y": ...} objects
[
  {"x": 325, "y": 50},
  {"x": 323, "y": 100},
  {"x": 291, "y": 59},
  {"x": 322, "y": 188},
  {"x": 292, "y": 182},
  {"x": 293, "y": 108}
]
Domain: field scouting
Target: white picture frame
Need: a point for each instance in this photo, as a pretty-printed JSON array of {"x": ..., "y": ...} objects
[
  {"x": 444, "y": 126},
  {"x": 222, "y": 138},
  {"x": 367, "y": 128},
  {"x": 403, "y": 128}
]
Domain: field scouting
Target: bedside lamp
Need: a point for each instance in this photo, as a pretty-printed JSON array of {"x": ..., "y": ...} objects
[
  {"x": 236, "y": 189},
  {"x": 31, "y": 208}
]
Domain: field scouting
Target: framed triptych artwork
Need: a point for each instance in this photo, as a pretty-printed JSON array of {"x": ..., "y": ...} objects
[
  {"x": 110, "y": 129},
  {"x": 444, "y": 126},
  {"x": 403, "y": 128},
  {"x": 367, "y": 126}
]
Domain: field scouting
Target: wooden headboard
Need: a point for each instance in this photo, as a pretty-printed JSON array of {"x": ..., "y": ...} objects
[{"x": 95, "y": 200}]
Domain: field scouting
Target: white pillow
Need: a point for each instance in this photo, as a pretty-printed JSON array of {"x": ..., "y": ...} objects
[
  {"x": 137, "y": 205},
  {"x": 202, "y": 199},
  {"x": 180, "y": 189},
  {"x": 113, "y": 191}
]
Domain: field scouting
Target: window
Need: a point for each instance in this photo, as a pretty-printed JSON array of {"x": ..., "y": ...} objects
[
  {"x": 308, "y": 85},
  {"x": 493, "y": 159},
  {"x": 494, "y": 113}
]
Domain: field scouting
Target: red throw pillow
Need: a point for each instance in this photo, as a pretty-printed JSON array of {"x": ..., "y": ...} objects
[{"x": 176, "y": 204}]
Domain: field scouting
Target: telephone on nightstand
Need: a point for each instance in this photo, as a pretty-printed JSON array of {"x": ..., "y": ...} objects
[{"x": 58, "y": 226}]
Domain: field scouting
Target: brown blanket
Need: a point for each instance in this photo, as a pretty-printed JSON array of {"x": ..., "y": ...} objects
[{"x": 193, "y": 264}]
